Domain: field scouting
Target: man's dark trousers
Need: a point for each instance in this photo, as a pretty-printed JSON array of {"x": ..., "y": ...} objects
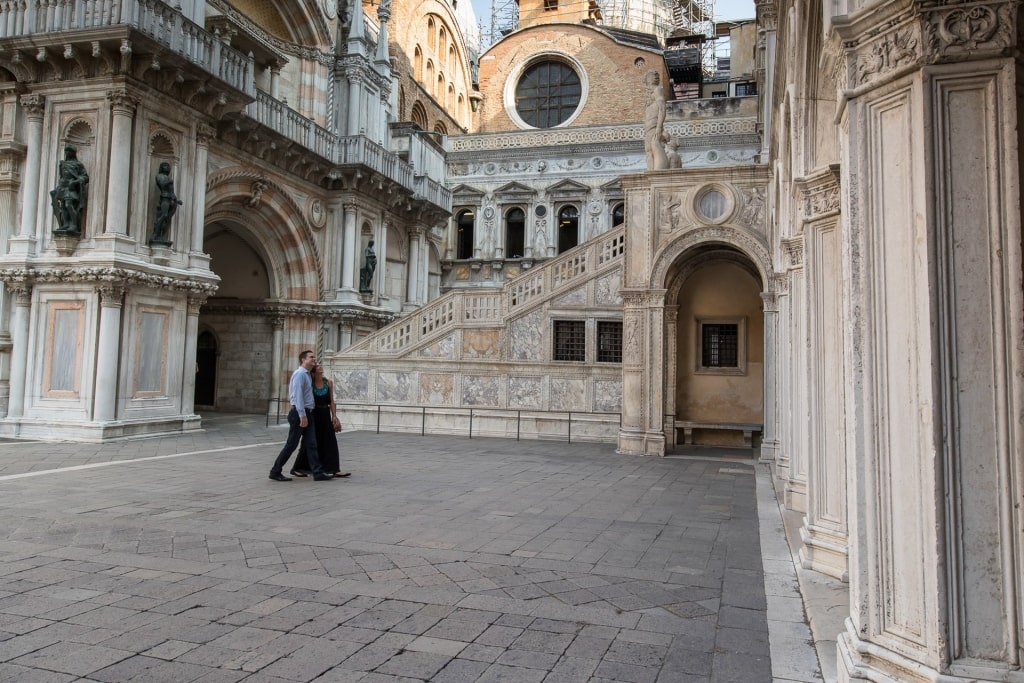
[{"x": 295, "y": 433}]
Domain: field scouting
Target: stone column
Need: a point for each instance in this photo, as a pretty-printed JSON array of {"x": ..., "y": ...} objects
[
  {"x": 188, "y": 379},
  {"x": 380, "y": 278},
  {"x": 108, "y": 352},
  {"x": 783, "y": 373},
  {"x": 196, "y": 257},
  {"x": 412, "y": 278},
  {"x": 795, "y": 488},
  {"x": 345, "y": 335},
  {"x": 350, "y": 257},
  {"x": 935, "y": 315},
  {"x": 336, "y": 234},
  {"x": 769, "y": 435},
  {"x": 355, "y": 96},
  {"x": 671, "y": 372},
  {"x": 122, "y": 107},
  {"x": 34, "y": 107},
  {"x": 275, "y": 79},
  {"x": 276, "y": 379},
  {"x": 643, "y": 362},
  {"x": 19, "y": 340}
]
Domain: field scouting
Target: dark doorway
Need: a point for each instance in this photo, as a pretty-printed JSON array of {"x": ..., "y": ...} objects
[
  {"x": 568, "y": 228},
  {"x": 206, "y": 369}
]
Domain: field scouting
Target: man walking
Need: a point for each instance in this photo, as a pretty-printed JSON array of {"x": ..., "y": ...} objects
[{"x": 300, "y": 421}]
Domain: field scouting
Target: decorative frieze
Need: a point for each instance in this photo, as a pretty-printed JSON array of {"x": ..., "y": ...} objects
[
  {"x": 821, "y": 193},
  {"x": 963, "y": 29},
  {"x": 120, "y": 276}
]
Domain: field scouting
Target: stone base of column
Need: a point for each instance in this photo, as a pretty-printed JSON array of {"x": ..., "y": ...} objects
[
  {"x": 197, "y": 260},
  {"x": 825, "y": 551},
  {"x": 48, "y": 430},
  {"x": 21, "y": 246},
  {"x": 347, "y": 296},
  {"x": 861, "y": 660},
  {"x": 641, "y": 443},
  {"x": 118, "y": 244},
  {"x": 795, "y": 495},
  {"x": 769, "y": 450}
]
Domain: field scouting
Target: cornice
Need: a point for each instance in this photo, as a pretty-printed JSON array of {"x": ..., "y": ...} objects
[
  {"x": 327, "y": 311},
  {"x": 105, "y": 277}
]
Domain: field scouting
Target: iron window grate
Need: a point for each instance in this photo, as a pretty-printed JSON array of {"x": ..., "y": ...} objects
[
  {"x": 609, "y": 341},
  {"x": 570, "y": 340},
  {"x": 720, "y": 346}
]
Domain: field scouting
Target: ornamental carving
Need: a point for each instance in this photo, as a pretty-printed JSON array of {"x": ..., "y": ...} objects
[
  {"x": 317, "y": 214},
  {"x": 104, "y": 277},
  {"x": 888, "y": 53},
  {"x": 33, "y": 105},
  {"x": 794, "y": 248},
  {"x": 951, "y": 31},
  {"x": 821, "y": 201}
]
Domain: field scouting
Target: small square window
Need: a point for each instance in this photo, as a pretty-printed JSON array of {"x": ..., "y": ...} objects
[
  {"x": 570, "y": 340},
  {"x": 550, "y": 5},
  {"x": 721, "y": 346},
  {"x": 609, "y": 341}
]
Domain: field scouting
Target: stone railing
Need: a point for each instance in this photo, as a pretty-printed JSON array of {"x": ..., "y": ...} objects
[
  {"x": 432, "y": 191},
  {"x": 154, "y": 18},
  {"x": 463, "y": 307}
]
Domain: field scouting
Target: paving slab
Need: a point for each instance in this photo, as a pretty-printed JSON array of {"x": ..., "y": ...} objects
[{"x": 442, "y": 558}]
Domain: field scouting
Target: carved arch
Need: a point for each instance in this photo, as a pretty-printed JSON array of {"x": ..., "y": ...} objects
[
  {"x": 291, "y": 250},
  {"x": 740, "y": 239}
]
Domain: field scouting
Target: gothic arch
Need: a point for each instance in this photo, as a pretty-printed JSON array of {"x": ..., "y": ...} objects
[{"x": 277, "y": 227}]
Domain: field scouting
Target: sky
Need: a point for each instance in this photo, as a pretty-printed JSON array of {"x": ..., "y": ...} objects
[{"x": 724, "y": 9}]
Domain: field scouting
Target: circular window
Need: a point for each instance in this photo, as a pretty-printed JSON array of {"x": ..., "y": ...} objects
[
  {"x": 547, "y": 94},
  {"x": 714, "y": 204}
]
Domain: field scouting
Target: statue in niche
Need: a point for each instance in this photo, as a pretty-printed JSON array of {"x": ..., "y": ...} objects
[
  {"x": 654, "y": 123},
  {"x": 540, "y": 241},
  {"x": 167, "y": 206},
  {"x": 366, "y": 272},
  {"x": 69, "y": 197}
]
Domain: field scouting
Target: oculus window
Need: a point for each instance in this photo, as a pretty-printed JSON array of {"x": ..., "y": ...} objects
[{"x": 547, "y": 94}]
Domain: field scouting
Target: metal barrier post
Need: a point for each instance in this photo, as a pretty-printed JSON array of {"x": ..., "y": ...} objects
[
  {"x": 570, "y": 426},
  {"x": 471, "y": 423},
  {"x": 378, "y": 419},
  {"x": 519, "y": 422},
  {"x": 423, "y": 421}
]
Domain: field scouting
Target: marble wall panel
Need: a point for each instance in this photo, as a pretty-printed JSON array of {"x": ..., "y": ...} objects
[
  {"x": 352, "y": 385},
  {"x": 608, "y": 395},
  {"x": 437, "y": 390},
  {"x": 480, "y": 390},
  {"x": 442, "y": 348},
  {"x": 607, "y": 290},
  {"x": 577, "y": 297},
  {"x": 526, "y": 392},
  {"x": 568, "y": 394},
  {"x": 396, "y": 387},
  {"x": 527, "y": 334},
  {"x": 480, "y": 343}
]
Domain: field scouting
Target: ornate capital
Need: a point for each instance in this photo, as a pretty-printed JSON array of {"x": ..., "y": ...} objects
[
  {"x": 204, "y": 134},
  {"x": 277, "y": 322},
  {"x": 821, "y": 193},
  {"x": 34, "y": 105},
  {"x": 22, "y": 292},
  {"x": 767, "y": 12},
  {"x": 195, "y": 302},
  {"x": 111, "y": 293},
  {"x": 121, "y": 102},
  {"x": 794, "y": 247},
  {"x": 780, "y": 284},
  {"x": 771, "y": 301}
]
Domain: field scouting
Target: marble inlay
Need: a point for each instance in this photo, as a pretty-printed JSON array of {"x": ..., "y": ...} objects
[
  {"x": 526, "y": 392},
  {"x": 462, "y": 272},
  {"x": 576, "y": 297},
  {"x": 567, "y": 394},
  {"x": 437, "y": 390},
  {"x": 608, "y": 395},
  {"x": 478, "y": 390},
  {"x": 607, "y": 290},
  {"x": 396, "y": 387},
  {"x": 527, "y": 336},
  {"x": 480, "y": 343},
  {"x": 442, "y": 348},
  {"x": 351, "y": 385}
]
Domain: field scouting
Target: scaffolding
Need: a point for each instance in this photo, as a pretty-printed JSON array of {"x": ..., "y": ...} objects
[{"x": 504, "y": 20}]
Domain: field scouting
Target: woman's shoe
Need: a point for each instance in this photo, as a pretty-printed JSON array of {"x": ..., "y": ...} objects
[
  {"x": 299, "y": 473},
  {"x": 342, "y": 474}
]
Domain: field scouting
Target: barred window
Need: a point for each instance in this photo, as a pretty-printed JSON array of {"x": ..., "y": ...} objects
[
  {"x": 719, "y": 345},
  {"x": 570, "y": 339},
  {"x": 609, "y": 341}
]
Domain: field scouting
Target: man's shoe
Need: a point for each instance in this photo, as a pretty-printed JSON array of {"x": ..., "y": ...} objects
[
  {"x": 322, "y": 477},
  {"x": 279, "y": 477},
  {"x": 298, "y": 473}
]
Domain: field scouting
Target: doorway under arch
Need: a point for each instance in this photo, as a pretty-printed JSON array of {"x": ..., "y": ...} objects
[{"x": 206, "y": 370}]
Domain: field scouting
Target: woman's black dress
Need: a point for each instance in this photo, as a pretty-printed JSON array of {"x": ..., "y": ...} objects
[{"x": 326, "y": 440}]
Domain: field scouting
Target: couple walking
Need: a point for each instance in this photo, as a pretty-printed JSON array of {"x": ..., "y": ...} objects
[{"x": 313, "y": 419}]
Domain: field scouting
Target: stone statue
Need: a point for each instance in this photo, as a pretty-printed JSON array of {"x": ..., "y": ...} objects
[
  {"x": 672, "y": 151},
  {"x": 654, "y": 123},
  {"x": 366, "y": 272},
  {"x": 167, "y": 207},
  {"x": 69, "y": 197}
]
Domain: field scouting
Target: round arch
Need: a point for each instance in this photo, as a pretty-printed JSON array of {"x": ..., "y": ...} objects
[{"x": 740, "y": 239}]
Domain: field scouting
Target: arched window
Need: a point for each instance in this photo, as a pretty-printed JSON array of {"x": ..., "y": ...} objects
[
  {"x": 442, "y": 42},
  {"x": 439, "y": 127},
  {"x": 417, "y": 62},
  {"x": 428, "y": 82},
  {"x": 431, "y": 34},
  {"x": 451, "y": 59},
  {"x": 461, "y": 111},
  {"x": 464, "y": 222},
  {"x": 618, "y": 214},
  {"x": 451, "y": 99},
  {"x": 439, "y": 93},
  {"x": 419, "y": 115},
  {"x": 568, "y": 228},
  {"x": 515, "y": 233}
]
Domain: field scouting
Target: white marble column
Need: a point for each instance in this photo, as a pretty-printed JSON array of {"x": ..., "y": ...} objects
[
  {"x": 355, "y": 96},
  {"x": 413, "y": 273},
  {"x": 336, "y": 246},
  {"x": 19, "y": 339},
  {"x": 783, "y": 376},
  {"x": 196, "y": 257},
  {"x": 122, "y": 108},
  {"x": 671, "y": 372},
  {"x": 24, "y": 242},
  {"x": 795, "y": 487},
  {"x": 936, "y": 357},
  {"x": 188, "y": 378},
  {"x": 770, "y": 419},
  {"x": 380, "y": 277},
  {"x": 108, "y": 352},
  {"x": 350, "y": 257}
]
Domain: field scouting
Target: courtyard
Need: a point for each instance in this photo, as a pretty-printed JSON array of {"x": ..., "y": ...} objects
[{"x": 175, "y": 558}]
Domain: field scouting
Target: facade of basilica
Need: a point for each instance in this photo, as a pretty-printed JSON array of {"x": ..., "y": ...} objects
[{"x": 816, "y": 253}]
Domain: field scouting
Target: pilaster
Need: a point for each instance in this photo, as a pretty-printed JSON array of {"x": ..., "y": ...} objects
[
  {"x": 643, "y": 356},
  {"x": 24, "y": 243},
  {"x": 795, "y": 488}
]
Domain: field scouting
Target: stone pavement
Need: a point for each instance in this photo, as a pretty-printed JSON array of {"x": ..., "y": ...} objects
[{"x": 441, "y": 559}]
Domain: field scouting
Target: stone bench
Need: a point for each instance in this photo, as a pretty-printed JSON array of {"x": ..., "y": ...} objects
[{"x": 748, "y": 429}]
